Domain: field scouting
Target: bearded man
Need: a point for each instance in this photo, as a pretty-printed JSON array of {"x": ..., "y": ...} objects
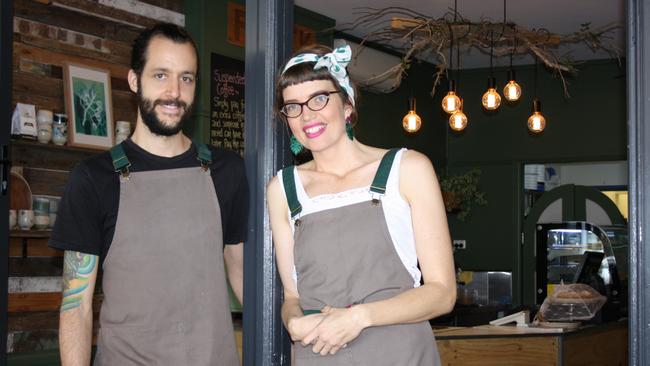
[{"x": 160, "y": 214}]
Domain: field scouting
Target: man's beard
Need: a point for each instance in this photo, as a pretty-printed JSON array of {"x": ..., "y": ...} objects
[{"x": 147, "y": 109}]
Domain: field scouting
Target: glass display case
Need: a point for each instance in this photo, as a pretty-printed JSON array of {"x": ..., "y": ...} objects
[{"x": 572, "y": 252}]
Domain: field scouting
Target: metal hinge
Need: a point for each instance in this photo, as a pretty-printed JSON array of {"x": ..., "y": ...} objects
[{"x": 5, "y": 169}]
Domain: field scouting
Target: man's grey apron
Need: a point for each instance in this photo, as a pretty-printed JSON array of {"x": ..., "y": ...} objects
[
  {"x": 165, "y": 297},
  {"x": 345, "y": 256}
]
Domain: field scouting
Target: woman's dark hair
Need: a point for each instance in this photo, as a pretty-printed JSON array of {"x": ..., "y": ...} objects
[
  {"x": 166, "y": 30},
  {"x": 303, "y": 72}
]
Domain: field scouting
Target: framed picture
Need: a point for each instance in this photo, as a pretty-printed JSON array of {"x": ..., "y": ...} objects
[{"x": 89, "y": 107}]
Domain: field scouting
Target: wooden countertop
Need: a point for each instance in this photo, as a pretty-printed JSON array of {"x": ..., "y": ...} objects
[{"x": 493, "y": 331}]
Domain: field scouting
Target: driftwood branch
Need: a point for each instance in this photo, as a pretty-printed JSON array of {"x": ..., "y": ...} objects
[{"x": 416, "y": 35}]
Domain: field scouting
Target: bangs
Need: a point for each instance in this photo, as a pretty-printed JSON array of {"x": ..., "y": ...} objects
[{"x": 301, "y": 73}]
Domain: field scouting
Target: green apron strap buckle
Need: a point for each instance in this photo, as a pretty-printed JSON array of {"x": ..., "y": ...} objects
[
  {"x": 289, "y": 183},
  {"x": 381, "y": 177},
  {"x": 121, "y": 163},
  {"x": 204, "y": 155}
]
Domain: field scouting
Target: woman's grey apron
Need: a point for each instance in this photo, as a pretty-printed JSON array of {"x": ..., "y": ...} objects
[
  {"x": 345, "y": 256},
  {"x": 165, "y": 296}
]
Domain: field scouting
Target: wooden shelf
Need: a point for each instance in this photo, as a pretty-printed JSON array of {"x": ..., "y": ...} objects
[
  {"x": 50, "y": 146},
  {"x": 30, "y": 234},
  {"x": 32, "y": 154}
]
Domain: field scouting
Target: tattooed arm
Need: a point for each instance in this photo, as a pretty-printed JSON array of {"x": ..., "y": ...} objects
[{"x": 76, "y": 318}]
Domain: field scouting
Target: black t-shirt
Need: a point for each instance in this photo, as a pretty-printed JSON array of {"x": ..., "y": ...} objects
[{"x": 88, "y": 211}]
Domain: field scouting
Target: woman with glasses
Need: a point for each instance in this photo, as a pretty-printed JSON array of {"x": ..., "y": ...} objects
[{"x": 360, "y": 233}]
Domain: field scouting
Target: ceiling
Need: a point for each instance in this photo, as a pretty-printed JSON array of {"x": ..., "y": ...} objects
[{"x": 557, "y": 16}]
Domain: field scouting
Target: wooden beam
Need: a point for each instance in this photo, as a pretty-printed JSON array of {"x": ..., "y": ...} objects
[
  {"x": 148, "y": 10},
  {"x": 106, "y": 12},
  {"x": 58, "y": 57},
  {"x": 74, "y": 21},
  {"x": 173, "y": 5},
  {"x": 35, "y": 301}
]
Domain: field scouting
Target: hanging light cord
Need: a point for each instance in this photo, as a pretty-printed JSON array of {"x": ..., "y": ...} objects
[
  {"x": 457, "y": 45},
  {"x": 457, "y": 65},
  {"x": 514, "y": 31},
  {"x": 514, "y": 44},
  {"x": 535, "y": 80},
  {"x": 451, "y": 49},
  {"x": 491, "y": 50}
]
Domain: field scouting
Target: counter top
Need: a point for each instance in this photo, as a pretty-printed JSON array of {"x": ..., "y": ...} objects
[
  {"x": 488, "y": 345},
  {"x": 494, "y": 331}
]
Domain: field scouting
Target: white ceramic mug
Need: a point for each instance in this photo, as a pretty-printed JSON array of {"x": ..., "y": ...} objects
[
  {"x": 44, "y": 134},
  {"x": 123, "y": 127},
  {"x": 122, "y": 131},
  {"x": 25, "y": 219},
  {"x": 12, "y": 219},
  {"x": 44, "y": 117}
]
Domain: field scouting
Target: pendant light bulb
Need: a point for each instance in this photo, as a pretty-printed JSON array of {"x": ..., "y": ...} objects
[
  {"x": 458, "y": 121},
  {"x": 512, "y": 90},
  {"x": 451, "y": 102},
  {"x": 491, "y": 99},
  {"x": 411, "y": 121},
  {"x": 536, "y": 122}
]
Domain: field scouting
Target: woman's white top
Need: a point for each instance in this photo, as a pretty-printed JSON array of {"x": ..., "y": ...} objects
[{"x": 396, "y": 211}]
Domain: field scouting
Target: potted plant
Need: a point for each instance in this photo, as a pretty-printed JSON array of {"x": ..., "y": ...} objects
[{"x": 460, "y": 192}]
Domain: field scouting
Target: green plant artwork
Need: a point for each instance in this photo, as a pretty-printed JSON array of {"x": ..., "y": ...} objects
[
  {"x": 460, "y": 192},
  {"x": 89, "y": 102}
]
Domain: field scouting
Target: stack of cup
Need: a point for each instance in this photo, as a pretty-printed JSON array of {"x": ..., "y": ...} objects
[
  {"x": 44, "y": 125},
  {"x": 122, "y": 131},
  {"x": 41, "y": 213}
]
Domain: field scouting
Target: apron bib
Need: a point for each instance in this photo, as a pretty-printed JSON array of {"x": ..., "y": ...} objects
[
  {"x": 165, "y": 295},
  {"x": 345, "y": 256}
]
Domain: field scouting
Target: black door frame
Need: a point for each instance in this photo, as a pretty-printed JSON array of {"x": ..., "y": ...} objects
[
  {"x": 269, "y": 26},
  {"x": 638, "y": 92},
  {"x": 6, "y": 67}
]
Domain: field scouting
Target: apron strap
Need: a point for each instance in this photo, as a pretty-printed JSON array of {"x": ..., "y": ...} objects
[
  {"x": 204, "y": 155},
  {"x": 121, "y": 163},
  {"x": 381, "y": 177},
  {"x": 289, "y": 183}
]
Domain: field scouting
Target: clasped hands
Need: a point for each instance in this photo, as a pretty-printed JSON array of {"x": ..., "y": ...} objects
[{"x": 329, "y": 330}]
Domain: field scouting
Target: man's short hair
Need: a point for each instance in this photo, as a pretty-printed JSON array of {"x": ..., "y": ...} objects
[{"x": 170, "y": 31}]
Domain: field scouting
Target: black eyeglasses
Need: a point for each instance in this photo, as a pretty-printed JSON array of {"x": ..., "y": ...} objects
[{"x": 315, "y": 103}]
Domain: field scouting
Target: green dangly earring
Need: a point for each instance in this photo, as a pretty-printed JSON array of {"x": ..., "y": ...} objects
[
  {"x": 348, "y": 128},
  {"x": 295, "y": 146}
]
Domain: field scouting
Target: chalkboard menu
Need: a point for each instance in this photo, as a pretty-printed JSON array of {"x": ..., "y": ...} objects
[{"x": 227, "y": 103}]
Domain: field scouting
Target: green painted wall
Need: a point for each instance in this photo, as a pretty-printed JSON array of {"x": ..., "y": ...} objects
[
  {"x": 206, "y": 20},
  {"x": 589, "y": 126},
  {"x": 380, "y": 116}
]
